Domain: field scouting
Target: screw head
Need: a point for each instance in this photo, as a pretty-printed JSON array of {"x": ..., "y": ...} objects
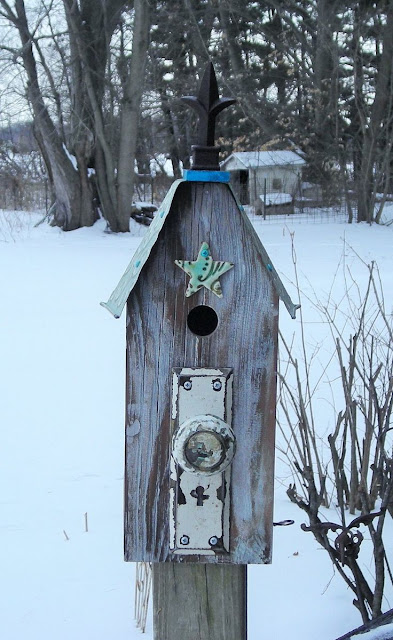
[
  {"x": 217, "y": 385},
  {"x": 184, "y": 540},
  {"x": 187, "y": 385},
  {"x": 213, "y": 541}
]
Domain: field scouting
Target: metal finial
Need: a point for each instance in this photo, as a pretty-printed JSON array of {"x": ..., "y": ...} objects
[{"x": 208, "y": 105}]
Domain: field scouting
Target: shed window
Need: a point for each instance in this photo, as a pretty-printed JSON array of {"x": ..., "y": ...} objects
[{"x": 277, "y": 184}]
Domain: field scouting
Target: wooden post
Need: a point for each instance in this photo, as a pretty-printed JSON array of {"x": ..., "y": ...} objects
[{"x": 199, "y": 602}]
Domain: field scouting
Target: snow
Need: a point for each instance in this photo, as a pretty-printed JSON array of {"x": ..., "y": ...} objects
[
  {"x": 275, "y": 198},
  {"x": 383, "y": 633},
  {"x": 61, "y": 456},
  {"x": 161, "y": 164},
  {"x": 387, "y": 214},
  {"x": 71, "y": 157},
  {"x": 252, "y": 159}
]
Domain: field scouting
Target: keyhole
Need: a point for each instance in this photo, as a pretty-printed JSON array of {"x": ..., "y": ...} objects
[{"x": 199, "y": 494}]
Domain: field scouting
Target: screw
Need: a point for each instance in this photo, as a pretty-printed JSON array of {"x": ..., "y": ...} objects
[
  {"x": 217, "y": 386},
  {"x": 184, "y": 540},
  {"x": 213, "y": 541},
  {"x": 187, "y": 385}
]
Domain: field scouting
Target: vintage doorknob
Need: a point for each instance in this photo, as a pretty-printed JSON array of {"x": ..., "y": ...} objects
[{"x": 204, "y": 444}]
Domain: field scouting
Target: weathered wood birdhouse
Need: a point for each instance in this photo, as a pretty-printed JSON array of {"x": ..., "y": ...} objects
[{"x": 202, "y": 322}]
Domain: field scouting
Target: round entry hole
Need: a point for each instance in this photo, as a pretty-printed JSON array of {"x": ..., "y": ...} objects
[{"x": 202, "y": 320}]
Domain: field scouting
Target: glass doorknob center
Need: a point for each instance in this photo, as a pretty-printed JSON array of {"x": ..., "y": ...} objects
[{"x": 205, "y": 450}]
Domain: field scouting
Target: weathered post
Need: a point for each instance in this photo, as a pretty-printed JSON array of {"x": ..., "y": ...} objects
[{"x": 202, "y": 324}]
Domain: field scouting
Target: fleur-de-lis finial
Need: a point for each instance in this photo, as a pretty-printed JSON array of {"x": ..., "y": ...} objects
[{"x": 208, "y": 105}]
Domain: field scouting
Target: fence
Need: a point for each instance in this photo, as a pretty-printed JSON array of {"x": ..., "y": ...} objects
[
  {"x": 307, "y": 215},
  {"x": 307, "y": 203},
  {"x": 21, "y": 194},
  {"x": 272, "y": 197}
]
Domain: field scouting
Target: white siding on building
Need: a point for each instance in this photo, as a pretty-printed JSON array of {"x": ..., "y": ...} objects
[{"x": 256, "y": 172}]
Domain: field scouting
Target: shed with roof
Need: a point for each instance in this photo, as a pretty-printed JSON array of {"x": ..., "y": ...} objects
[{"x": 255, "y": 173}]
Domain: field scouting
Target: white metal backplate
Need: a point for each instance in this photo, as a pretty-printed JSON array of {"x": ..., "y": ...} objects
[{"x": 199, "y": 501}]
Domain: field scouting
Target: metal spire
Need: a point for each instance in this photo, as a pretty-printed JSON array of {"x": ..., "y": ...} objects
[{"x": 208, "y": 105}]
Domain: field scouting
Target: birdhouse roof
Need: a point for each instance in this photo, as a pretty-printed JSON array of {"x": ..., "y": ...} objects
[
  {"x": 119, "y": 296},
  {"x": 254, "y": 159}
]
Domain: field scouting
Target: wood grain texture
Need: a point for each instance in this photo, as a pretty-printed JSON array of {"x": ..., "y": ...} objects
[
  {"x": 199, "y": 602},
  {"x": 158, "y": 340}
]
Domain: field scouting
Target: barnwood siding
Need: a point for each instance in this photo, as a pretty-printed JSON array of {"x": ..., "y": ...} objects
[{"x": 158, "y": 340}]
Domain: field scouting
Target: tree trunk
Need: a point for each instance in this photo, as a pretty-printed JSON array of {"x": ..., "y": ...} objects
[
  {"x": 88, "y": 39},
  {"x": 380, "y": 119},
  {"x": 73, "y": 202},
  {"x": 130, "y": 114},
  {"x": 229, "y": 33},
  {"x": 174, "y": 152},
  {"x": 326, "y": 88}
]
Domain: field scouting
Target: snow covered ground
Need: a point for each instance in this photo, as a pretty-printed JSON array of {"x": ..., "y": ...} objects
[{"x": 62, "y": 364}]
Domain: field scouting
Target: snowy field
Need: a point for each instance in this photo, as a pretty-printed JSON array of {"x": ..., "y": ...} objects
[{"x": 62, "y": 575}]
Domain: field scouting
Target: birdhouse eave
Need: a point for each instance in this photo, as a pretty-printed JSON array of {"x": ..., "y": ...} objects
[{"x": 118, "y": 298}]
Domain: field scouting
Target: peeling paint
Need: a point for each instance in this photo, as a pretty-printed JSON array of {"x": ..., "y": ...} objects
[
  {"x": 175, "y": 395},
  {"x": 133, "y": 429}
]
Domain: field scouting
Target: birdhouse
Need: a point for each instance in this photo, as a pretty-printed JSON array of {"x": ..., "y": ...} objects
[{"x": 202, "y": 301}]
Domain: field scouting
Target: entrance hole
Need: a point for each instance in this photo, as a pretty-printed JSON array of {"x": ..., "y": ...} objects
[{"x": 202, "y": 320}]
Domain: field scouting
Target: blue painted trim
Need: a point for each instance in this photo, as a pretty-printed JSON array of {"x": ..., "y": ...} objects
[{"x": 190, "y": 175}]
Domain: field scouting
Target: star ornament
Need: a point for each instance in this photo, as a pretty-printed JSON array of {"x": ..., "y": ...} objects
[{"x": 204, "y": 272}]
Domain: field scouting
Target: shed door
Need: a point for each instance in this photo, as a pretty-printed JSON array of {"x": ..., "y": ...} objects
[{"x": 240, "y": 182}]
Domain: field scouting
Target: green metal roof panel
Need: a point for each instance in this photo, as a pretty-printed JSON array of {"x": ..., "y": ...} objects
[
  {"x": 281, "y": 290},
  {"x": 129, "y": 278},
  {"x": 127, "y": 282}
]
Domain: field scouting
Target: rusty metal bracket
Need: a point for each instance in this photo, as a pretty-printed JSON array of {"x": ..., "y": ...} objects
[
  {"x": 347, "y": 543},
  {"x": 283, "y": 523}
]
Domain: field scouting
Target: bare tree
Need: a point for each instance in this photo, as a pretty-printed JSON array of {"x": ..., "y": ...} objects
[
  {"x": 71, "y": 197},
  {"x": 89, "y": 161},
  {"x": 130, "y": 113},
  {"x": 375, "y": 122},
  {"x": 316, "y": 76}
]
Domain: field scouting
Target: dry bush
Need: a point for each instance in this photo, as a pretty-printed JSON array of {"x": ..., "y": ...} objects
[{"x": 351, "y": 469}]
